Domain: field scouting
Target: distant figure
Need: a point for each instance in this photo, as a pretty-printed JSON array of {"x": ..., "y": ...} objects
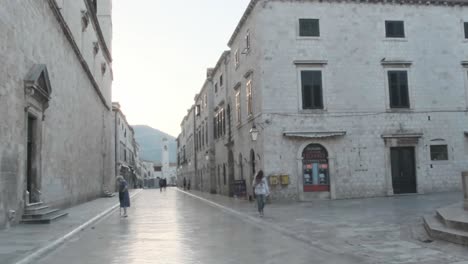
[
  {"x": 188, "y": 185},
  {"x": 161, "y": 184},
  {"x": 124, "y": 197},
  {"x": 164, "y": 184},
  {"x": 261, "y": 191},
  {"x": 185, "y": 184}
]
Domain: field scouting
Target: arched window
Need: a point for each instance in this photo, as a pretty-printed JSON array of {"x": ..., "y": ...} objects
[
  {"x": 315, "y": 169},
  {"x": 219, "y": 175},
  {"x": 224, "y": 173}
]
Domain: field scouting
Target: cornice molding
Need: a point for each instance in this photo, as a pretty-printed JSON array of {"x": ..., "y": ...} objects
[
  {"x": 69, "y": 35},
  {"x": 98, "y": 29},
  {"x": 253, "y": 3}
]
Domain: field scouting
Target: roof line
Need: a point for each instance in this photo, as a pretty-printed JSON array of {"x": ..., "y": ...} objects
[
  {"x": 253, "y": 3},
  {"x": 220, "y": 60},
  {"x": 241, "y": 23}
]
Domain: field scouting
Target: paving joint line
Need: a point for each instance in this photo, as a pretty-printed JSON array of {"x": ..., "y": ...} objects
[{"x": 41, "y": 252}]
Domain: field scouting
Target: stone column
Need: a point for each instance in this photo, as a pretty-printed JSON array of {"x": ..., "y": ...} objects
[{"x": 465, "y": 188}]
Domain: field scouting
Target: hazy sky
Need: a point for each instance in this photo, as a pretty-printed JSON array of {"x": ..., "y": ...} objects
[{"x": 161, "y": 49}]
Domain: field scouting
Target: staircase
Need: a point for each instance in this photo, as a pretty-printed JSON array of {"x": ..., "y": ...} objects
[
  {"x": 40, "y": 213},
  {"x": 449, "y": 224},
  {"x": 108, "y": 194}
]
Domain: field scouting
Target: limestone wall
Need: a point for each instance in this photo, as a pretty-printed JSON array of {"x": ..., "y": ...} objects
[{"x": 77, "y": 151}]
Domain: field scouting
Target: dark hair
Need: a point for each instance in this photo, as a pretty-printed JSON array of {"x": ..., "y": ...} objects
[{"x": 259, "y": 176}]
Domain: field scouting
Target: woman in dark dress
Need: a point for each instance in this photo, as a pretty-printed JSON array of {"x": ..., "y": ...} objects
[{"x": 124, "y": 197}]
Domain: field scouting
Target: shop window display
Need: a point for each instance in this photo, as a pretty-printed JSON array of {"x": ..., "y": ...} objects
[{"x": 315, "y": 169}]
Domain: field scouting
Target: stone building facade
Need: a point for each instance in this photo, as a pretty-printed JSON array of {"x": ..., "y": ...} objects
[
  {"x": 186, "y": 162},
  {"x": 346, "y": 99},
  {"x": 55, "y": 103},
  {"x": 127, "y": 162}
]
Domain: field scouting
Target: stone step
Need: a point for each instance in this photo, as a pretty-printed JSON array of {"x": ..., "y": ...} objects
[
  {"x": 437, "y": 229},
  {"x": 45, "y": 219},
  {"x": 40, "y": 214},
  {"x": 36, "y": 209},
  {"x": 34, "y": 204},
  {"x": 454, "y": 217}
]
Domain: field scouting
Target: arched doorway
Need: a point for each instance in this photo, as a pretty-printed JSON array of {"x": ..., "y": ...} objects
[
  {"x": 315, "y": 167},
  {"x": 252, "y": 165},
  {"x": 241, "y": 167},
  {"x": 231, "y": 173}
]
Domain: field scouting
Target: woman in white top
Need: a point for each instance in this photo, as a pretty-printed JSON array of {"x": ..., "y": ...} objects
[{"x": 261, "y": 189}]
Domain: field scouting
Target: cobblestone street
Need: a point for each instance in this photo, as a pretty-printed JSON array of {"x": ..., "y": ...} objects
[{"x": 175, "y": 227}]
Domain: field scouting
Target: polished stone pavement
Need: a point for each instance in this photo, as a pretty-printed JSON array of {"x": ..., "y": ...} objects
[
  {"x": 175, "y": 227},
  {"x": 387, "y": 230},
  {"x": 171, "y": 227},
  {"x": 20, "y": 241}
]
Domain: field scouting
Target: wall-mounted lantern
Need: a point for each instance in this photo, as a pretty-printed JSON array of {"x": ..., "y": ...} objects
[{"x": 254, "y": 132}]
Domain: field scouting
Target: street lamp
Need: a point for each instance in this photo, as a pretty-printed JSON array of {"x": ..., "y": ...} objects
[{"x": 254, "y": 132}]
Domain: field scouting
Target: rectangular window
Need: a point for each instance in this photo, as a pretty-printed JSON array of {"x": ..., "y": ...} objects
[
  {"x": 221, "y": 80},
  {"x": 203, "y": 136},
  {"x": 216, "y": 87},
  {"x": 196, "y": 141},
  {"x": 223, "y": 122},
  {"x": 219, "y": 124},
  {"x": 238, "y": 107},
  {"x": 309, "y": 27},
  {"x": 312, "y": 97},
  {"x": 248, "y": 88},
  {"x": 206, "y": 132},
  {"x": 197, "y": 110},
  {"x": 465, "y": 26},
  {"x": 215, "y": 128},
  {"x": 398, "y": 89},
  {"x": 236, "y": 58},
  {"x": 439, "y": 152},
  {"x": 199, "y": 139},
  {"x": 395, "y": 29}
]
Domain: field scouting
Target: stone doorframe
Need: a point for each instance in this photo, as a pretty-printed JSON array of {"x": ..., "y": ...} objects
[
  {"x": 400, "y": 139},
  {"x": 37, "y": 92},
  {"x": 331, "y": 169}
]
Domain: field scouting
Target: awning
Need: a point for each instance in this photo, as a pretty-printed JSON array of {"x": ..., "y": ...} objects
[{"x": 314, "y": 134}]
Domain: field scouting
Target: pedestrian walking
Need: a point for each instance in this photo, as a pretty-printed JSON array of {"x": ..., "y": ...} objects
[
  {"x": 188, "y": 185},
  {"x": 124, "y": 197},
  {"x": 161, "y": 184},
  {"x": 261, "y": 191},
  {"x": 185, "y": 184},
  {"x": 164, "y": 183}
]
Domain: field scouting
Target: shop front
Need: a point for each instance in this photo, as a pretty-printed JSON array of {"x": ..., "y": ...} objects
[
  {"x": 315, "y": 169},
  {"x": 315, "y": 163}
]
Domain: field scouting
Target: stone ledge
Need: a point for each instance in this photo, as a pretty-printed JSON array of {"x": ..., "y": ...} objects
[
  {"x": 436, "y": 229},
  {"x": 454, "y": 217}
]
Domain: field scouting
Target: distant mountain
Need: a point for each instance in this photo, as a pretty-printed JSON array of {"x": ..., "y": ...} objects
[{"x": 150, "y": 141}]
